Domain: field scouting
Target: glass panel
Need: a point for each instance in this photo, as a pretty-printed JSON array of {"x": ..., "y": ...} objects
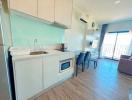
[
  {"x": 65, "y": 65},
  {"x": 108, "y": 45},
  {"x": 122, "y": 45}
]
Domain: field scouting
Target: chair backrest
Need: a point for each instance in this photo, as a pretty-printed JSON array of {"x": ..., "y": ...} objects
[
  {"x": 87, "y": 56},
  {"x": 80, "y": 58}
]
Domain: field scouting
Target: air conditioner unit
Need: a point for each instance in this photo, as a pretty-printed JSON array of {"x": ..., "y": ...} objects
[{"x": 84, "y": 18}]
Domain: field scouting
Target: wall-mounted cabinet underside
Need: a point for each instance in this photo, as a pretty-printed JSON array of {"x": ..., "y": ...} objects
[{"x": 57, "y": 12}]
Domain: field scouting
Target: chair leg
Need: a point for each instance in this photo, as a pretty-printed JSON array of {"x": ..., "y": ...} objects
[
  {"x": 82, "y": 67},
  {"x": 76, "y": 70},
  {"x": 95, "y": 64},
  {"x": 88, "y": 64}
]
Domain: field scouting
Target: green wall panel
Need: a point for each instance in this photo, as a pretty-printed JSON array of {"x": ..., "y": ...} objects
[{"x": 25, "y": 30}]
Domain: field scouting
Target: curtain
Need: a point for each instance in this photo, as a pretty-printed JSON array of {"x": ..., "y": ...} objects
[{"x": 103, "y": 31}]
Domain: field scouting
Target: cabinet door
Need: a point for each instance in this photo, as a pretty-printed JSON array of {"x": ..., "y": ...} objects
[
  {"x": 51, "y": 70},
  {"x": 28, "y": 78},
  {"x": 46, "y": 10},
  {"x": 63, "y": 12},
  {"x": 66, "y": 74},
  {"x": 25, "y": 6}
]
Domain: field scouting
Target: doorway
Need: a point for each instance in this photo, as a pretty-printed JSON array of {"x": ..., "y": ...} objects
[{"x": 116, "y": 44}]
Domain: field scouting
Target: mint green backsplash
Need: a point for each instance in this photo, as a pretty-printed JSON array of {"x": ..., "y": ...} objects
[{"x": 25, "y": 30}]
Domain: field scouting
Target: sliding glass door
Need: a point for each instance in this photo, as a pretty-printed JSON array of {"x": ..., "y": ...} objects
[
  {"x": 108, "y": 45},
  {"x": 116, "y": 44},
  {"x": 122, "y": 44}
]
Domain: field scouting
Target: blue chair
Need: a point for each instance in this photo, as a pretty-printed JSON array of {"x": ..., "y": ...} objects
[
  {"x": 80, "y": 61},
  {"x": 95, "y": 60},
  {"x": 87, "y": 58}
]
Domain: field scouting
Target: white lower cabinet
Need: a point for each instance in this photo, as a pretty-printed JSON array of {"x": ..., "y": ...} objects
[
  {"x": 51, "y": 70},
  {"x": 28, "y": 77},
  {"x": 65, "y": 75},
  {"x": 33, "y": 75}
]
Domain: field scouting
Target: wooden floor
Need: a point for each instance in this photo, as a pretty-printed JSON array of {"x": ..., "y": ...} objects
[{"x": 103, "y": 83}]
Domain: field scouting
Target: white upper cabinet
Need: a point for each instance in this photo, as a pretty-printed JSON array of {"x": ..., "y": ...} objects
[
  {"x": 46, "y": 10},
  {"x": 25, "y": 6},
  {"x": 63, "y": 12},
  {"x": 54, "y": 11}
]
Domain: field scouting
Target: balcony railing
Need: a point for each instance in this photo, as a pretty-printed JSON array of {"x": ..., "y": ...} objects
[{"x": 109, "y": 51}]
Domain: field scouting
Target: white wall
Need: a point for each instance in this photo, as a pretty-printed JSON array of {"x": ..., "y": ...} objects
[
  {"x": 120, "y": 26},
  {"x": 93, "y": 36},
  {"x": 5, "y": 20},
  {"x": 74, "y": 36}
]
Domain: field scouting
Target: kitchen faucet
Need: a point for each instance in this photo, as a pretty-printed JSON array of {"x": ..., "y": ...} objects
[{"x": 35, "y": 42}]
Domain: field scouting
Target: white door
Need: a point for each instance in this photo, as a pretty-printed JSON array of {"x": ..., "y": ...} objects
[{"x": 28, "y": 77}]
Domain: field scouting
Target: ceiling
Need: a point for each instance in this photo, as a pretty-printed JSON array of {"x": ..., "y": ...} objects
[{"x": 106, "y": 11}]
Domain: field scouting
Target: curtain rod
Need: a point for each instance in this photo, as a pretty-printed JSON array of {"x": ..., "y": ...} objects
[{"x": 119, "y": 31}]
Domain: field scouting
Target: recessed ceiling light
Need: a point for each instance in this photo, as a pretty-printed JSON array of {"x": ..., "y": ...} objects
[{"x": 117, "y": 2}]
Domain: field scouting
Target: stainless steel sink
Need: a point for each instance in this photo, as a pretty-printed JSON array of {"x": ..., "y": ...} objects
[{"x": 38, "y": 52}]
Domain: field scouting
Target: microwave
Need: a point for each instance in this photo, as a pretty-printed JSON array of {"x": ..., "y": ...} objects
[{"x": 65, "y": 65}]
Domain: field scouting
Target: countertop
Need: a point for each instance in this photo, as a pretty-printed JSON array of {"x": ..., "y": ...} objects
[{"x": 20, "y": 55}]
